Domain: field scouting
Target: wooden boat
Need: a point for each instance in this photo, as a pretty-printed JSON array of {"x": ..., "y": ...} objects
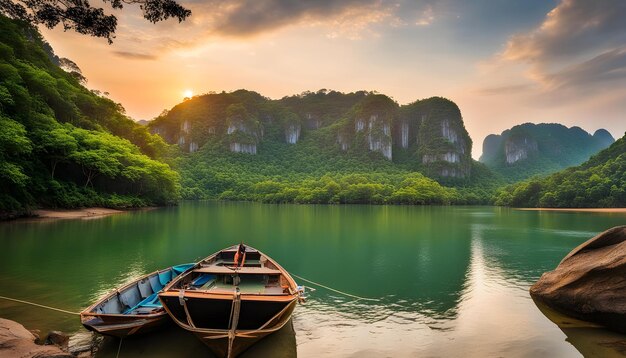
[
  {"x": 230, "y": 302},
  {"x": 133, "y": 308}
]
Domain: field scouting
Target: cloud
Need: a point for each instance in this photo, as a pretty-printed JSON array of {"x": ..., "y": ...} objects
[
  {"x": 504, "y": 90},
  {"x": 579, "y": 46},
  {"x": 248, "y": 17},
  {"x": 134, "y": 55},
  {"x": 427, "y": 17},
  {"x": 606, "y": 67},
  {"x": 571, "y": 29},
  {"x": 245, "y": 18}
]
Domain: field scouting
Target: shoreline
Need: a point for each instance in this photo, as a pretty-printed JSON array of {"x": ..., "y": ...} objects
[
  {"x": 82, "y": 213},
  {"x": 579, "y": 210},
  {"x": 99, "y": 212}
]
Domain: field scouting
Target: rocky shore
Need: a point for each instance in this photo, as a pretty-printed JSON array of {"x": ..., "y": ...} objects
[
  {"x": 17, "y": 341},
  {"x": 590, "y": 282}
]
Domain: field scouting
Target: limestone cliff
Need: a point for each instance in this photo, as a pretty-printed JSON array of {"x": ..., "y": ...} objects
[
  {"x": 433, "y": 129},
  {"x": 427, "y": 135},
  {"x": 371, "y": 121},
  {"x": 516, "y": 149},
  {"x": 531, "y": 149},
  {"x": 244, "y": 131},
  {"x": 195, "y": 121},
  {"x": 490, "y": 147},
  {"x": 291, "y": 125},
  {"x": 603, "y": 138}
]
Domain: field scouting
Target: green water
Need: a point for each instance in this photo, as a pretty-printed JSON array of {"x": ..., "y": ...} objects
[{"x": 450, "y": 281}]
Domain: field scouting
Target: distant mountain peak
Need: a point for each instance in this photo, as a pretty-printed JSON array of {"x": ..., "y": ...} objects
[
  {"x": 604, "y": 136},
  {"x": 534, "y": 149},
  {"x": 428, "y": 135}
]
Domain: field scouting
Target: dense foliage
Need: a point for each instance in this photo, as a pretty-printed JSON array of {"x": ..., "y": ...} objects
[
  {"x": 539, "y": 149},
  {"x": 599, "y": 182},
  {"x": 61, "y": 145},
  {"x": 82, "y": 17},
  {"x": 312, "y": 173}
]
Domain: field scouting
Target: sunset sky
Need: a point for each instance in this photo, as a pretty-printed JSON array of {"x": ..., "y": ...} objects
[{"x": 502, "y": 62}]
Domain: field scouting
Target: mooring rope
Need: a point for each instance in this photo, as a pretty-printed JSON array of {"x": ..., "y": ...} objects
[
  {"x": 335, "y": 290},
  {"x": 38, "y": 305},
  {"x": 119, "y": 348}
]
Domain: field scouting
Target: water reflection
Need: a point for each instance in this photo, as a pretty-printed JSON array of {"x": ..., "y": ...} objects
[
  {"x": 487, "y": 316},
  {"x": 589, "y": 339},
  {"x": 173, "y": 341},
  {"x": 451, "y": 280}
]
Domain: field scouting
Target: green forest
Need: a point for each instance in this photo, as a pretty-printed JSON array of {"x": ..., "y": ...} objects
[
  {"x": 598, "y": 183},
  {"x": 62, "y": 145},
  {"x": 283, "y": 173},
  {"x": 65, "y": 146},
  {"x": 546, "y": 148}
]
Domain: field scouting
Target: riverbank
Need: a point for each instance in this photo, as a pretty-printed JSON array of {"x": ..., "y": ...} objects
[
  {"x": 84, "y": 213},
  {"x": 581, "y": 210},
  {"x": 56, "y": 214},
  {"x": 17, "y": 341}
]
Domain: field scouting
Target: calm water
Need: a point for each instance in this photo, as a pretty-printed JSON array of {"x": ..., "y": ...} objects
[{"x": 452, "y": 281}]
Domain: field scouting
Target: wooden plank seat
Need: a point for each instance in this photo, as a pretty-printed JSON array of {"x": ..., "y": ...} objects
[
  {"x": 240, "y": 270},
  {"x": 232, "y": 263}
]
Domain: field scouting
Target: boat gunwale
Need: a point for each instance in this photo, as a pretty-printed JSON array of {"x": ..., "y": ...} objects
[
  {"x": 167, "y": 291},
  {"x": 292, "y": 282}
]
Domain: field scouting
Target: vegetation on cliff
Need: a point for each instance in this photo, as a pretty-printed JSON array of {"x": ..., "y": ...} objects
[
  {"x": 308, "y": 173},
  {"x": 324, "y": 147},
  {"x": 62, "y": 145},
  {"x": 599, "y": 182},
  {"x": 538, "y": 149}
]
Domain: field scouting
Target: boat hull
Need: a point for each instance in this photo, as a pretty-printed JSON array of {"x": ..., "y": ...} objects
[
  {"x": 231, "y": 300},
  {"x": 120, "y": 326},
  {"x": 131, "y": 309},
  {"x": 218, "y": 339},
  {"x": 215, "y": 313}
]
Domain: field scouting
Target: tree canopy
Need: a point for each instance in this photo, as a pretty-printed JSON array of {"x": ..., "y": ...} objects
[
  {"x": 82, "y": 17},
  {"x": 62, "y": 145},
  {"x": 599, "y": 182}
]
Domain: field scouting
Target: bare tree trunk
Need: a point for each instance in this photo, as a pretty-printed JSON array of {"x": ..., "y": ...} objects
[
  {"x": 54, "y": 167},
  {"x": 90, "y": 176}
]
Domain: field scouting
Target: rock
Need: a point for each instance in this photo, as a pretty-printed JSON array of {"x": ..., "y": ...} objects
[
  {"x": 292, "y": 133},
  {"x": 17, "y": 341},
  {"x": 603, "y": 137},
  {"x": 58, "y": 338},
  {"x": 516, "y": 149},
  {"x": 441, "y": 141},
  {"x": 590, "y": 282},
  {"x": 529, "y": 149}
]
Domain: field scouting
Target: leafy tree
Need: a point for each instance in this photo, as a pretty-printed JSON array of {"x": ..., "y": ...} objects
[
  {"x": 14, "y": 145},
  {"x": 599, "y": 182},
  {"x": 80, "y": 16},
  {"x": 62, "y": 145},
  {"x": 57, "y": 144}
]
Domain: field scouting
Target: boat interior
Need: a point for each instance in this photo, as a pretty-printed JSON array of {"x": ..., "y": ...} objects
[
  {"x": 257, "y": 276},
  {"x": 140, "y": 298}
]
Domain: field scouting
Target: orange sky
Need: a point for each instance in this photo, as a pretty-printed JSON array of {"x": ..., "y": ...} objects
[{"x": 503, "y": 64}]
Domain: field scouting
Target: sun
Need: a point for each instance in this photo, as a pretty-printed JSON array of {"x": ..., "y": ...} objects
[{"x": 188, "y": 93}]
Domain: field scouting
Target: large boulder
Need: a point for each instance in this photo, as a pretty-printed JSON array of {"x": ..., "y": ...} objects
[
  {"x": 590, "y": 282},
  {"x": 17, "y": 341}
]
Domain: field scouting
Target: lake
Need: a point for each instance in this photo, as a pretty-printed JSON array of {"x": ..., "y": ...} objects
[{"x": 450, "y": 281}]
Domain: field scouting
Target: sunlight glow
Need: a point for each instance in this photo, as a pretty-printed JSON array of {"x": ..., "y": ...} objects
[{"x": 188, "y": 93}]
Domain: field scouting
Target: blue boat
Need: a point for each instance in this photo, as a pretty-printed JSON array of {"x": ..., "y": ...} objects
[{"x": 133, "y": 308}]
